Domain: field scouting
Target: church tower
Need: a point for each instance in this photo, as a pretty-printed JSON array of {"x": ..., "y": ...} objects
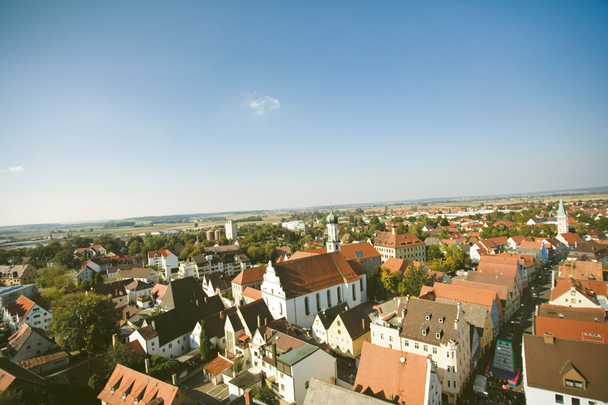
[
  {"x": 333, "y": 242},
  {"x": 562, "y": 219}
]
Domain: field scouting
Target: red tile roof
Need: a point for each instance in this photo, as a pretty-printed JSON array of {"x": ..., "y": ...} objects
[
  {"x": 465, "y": 294},
  {"x": 580, "y": 270},
  {"x": 382, "y": 372},
  {"x": 164, "y": 252},
  {"x": 396, "y": 241},
  {"x": 218, "y": 365},
  {"x": 251, "y": 275},
  {"x": 252, "y": 293}
]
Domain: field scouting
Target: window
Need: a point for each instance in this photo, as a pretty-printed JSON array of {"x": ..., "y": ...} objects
[
  {"x": 306, "y": 385},
  {"x": 559, "y": 399},
  {"x": 282, "y": 387},
  {"x": 329, "y": 298},
  {"x": 170, "y": 345},
  {"x": 382, "y": 336},
  {"x": 340, "y": 332},
  {"x": 306, "y": 307},
  {"x": 434, "y": 350},
  {"x": 390, "y": 346},
  {"x": 390, "y": 338},
  {"x": 576, "y": 401},
  {"x": 448, "y": 383},
  {"x": 361, "y": 284},
  {"x": 318, "y": 302},
  {"x": 280, "y": 308},
  {"x": 354, "y": 293},
  {"x": 28, "y": 348},
  {"x": 406, "y": 343},
  {"x": 339, "y": 295},
  {"x": 416, "y": 346}
]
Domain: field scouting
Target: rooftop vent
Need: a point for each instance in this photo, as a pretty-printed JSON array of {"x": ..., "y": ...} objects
[
  {"x": 427, "y": 316},
  {"x": 441, "y": 318}
]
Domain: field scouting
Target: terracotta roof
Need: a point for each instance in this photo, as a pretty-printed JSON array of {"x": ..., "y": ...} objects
[
  {"x": 24, "y": 304},
  {"x": 163, "y": 252},
  {"x": 18, "y": 339},
  {"x": 355, "y": 251},
  {"x": 488, "y": 278},
  {"x": 252, "y": 293},
  {"x": 565, "y": 286},
  {"x": 147, "y": 332},
  {"x": 134, "y": 385},
  {"x": 523, "y": 259},
  {"x": 217, "y": 366},
  {"x": 395, "y": 240},
  {"x": 579, "y": 270},
  {"x": 300, "y": 277},
  {"x": 10, "y": 372},
  {"x": 159, "y": 290},
  {"x": 394, "y": 265},
  {"x": 465, "y": 294},
  {"x": 41, "y": 360},
  {"x": 501, "y": 290},
  {"x": 521, "y": 238},
  {"x": 571, "y": 238},
  {"x": 531, "y": 245},
  {"x": 138, "y": 286},
  {"x": 250, "y": 276},
  {"x": 381, "y": 373},
  {"x": 572, "y": 323},
  {"x": 547, "y": 362}
]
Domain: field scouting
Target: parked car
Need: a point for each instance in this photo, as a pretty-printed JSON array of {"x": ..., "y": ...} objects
[
  {"x": 509, "y": 336},
  {"x": 519, "y": 319}
]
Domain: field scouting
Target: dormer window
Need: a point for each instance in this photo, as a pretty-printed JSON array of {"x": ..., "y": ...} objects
[
  {"x": 438, "y": 333},
  {"x": 574, "y": 384},
  {"x": 427, "y": 316},
  {"x": 425, "y": 330},
  {"x": 441, "y": 318}
]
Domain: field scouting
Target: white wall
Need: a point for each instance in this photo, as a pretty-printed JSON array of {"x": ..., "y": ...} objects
[{"x": 319, "y": 365}]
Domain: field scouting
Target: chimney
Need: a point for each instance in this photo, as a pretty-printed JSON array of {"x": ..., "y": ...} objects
[
  {"x": 394, "y": 231},
  {"x": 147, "y": 366},
  {"x": 332, "y": 380},
  {"x": 127, "y": 315},
  {"x": 197, "y": 305},
  {"x": 363, "y": 323},
  {"x": 259, "y": 321},
  {"x": 274, "y": 354},
  {"x": 222, "y": 315},
  {"x": 248, "y": 397},
  {"x": 174, "y": 379},
  {"x": 390, "y": 397},
  {"x": 548, "y": 338},
  {"x": 154, "y": 324},
  {"x": 265, "y": 321}
]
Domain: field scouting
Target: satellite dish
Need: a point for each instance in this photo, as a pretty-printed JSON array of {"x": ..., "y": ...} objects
[{"x": 402, "y": 360}]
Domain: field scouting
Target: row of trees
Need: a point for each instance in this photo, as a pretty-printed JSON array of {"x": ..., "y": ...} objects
[{"x": 381, "y": 283}]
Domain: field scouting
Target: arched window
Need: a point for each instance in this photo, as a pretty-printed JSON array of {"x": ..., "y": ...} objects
[
  {"x": 339, "y": 295},
  {"x": 361, "y": 284},
  {"x": 318, "y": 302},
  {"x": 306, "y": 307},
  {"x": 354, "y": 293},
  {"x": 328, "y": 298},
  {"x": 280, "y": 308}
]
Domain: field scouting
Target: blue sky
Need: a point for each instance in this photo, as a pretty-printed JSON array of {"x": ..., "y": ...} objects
[{"x": 118, "y": 109}]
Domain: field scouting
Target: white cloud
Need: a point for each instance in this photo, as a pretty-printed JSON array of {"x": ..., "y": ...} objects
[
  {"x": 263, "y": 104},
  {"x": 16, "y": 169}
]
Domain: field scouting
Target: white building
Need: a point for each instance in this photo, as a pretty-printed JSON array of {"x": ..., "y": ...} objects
[
  {"x": 562, "y": 219},
  {"x": 25, "y": 310},
  {"x": 231, "y": 230},
  {"x": 290, "y": 364},
  {"x": 165, "y": 260},
  {"x": 299, "y": 289}
]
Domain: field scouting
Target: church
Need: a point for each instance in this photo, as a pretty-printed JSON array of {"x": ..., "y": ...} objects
[{"x": 298, "y": 289}]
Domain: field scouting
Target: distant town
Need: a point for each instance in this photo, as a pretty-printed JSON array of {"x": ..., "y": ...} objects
[{"x": 499, "y": 301}]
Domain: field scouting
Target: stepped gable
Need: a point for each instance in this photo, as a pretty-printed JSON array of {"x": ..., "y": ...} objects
[{"x": 314, "y": 273}]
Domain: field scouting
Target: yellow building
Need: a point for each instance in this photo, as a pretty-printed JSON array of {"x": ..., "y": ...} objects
[
  {"x": 348, "y": 331},
  {"x": 400, "y": 246}
]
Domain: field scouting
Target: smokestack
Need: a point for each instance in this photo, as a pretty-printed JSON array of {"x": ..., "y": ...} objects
[{"x": 147, "y": 362}]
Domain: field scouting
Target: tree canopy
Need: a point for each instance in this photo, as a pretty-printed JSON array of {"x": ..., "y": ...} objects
[
  {"x": 55, "y": 277},
  {"x": 84, "y": 321}
]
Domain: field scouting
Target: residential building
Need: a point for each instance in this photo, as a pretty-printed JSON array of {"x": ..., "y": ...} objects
[
  {"x": 139, "y": 293},
  {"x": 298, "y": 289},
  {"x": 9, "y": 294},
  {"x": 252, "y": 278},
  {"x": 562, "y": 371},
  {"x": 503, "y": 266},
  {"x": 459, "y": 293},
  {"x": 145, "y": 274},
  {"x": 571, "y": 293},
  {"x": 127, "y": 386},
  {"x": 349, "y": 330},
  {"x": 18, "y": 274},
  {"x": 290, "y": 364},
  {"x": 115, "y": 291},
  {"x": 432, "y": 328},
  {"x": 400, "y": 246},
  {"x": 29, "y": 342},
  {"x": 584, "y": 324},
  {"x": 515, "y": 241},
  {"x": 165, "y": 260},
  {"x": 241, "y": 326},
  {"x": 506, "y": 300},
  {"x": 180, "y": 292},
  {"x": 194, "y": 266},
  {"x": 402, "y": 378},
  {"x": 34, "y": 311},
  {"x": 46, "y": 362},
  {"x": 591, "y": 251},
  {"x": 216, "y": 284},
  {"x": 556, "y": 249},
  {"x": 571, "y": 240},
  {"x": 323, "y": 320},
  {"x": 513, "y": 294},
  {"x": 581, "y": 271}
]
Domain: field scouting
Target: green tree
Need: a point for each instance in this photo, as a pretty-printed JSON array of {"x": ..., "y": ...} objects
[
  {"x": 239, "y": 364},
  {"x": 205, "y": 343},
  {"x": 55, "y": 277},
  {"x": 64, "y": 258},
  {"x": 163, "y": 367},
  {"x": 95, "y": 383},
  {"x": 119, "y": 354},
  {"x": 11, "y": 397},
  {"x": 84, "y": 322},
  {"x": 434, "y": 252},
  {"x": 264, "y": 394},
  {"x": 415, "y": 277},
  {"x": 391, "y": 281},
  {"x": 375, "y": 288}
]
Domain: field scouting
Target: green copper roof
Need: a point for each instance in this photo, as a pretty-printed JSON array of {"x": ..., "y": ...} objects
[
  {"x": 561, "y": 212},
  {"x": 331, "y": 218}
]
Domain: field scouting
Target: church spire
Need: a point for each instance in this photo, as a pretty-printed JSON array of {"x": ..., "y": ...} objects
[
  {"x": 562, "y": 219},
  {"x": 333, "y": 242}
]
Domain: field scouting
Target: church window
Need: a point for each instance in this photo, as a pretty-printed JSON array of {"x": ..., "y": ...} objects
[
  {"x": 339, "y": 295},
  {"x": 306, "y": 306},
  {"x": 328, "y": 298},
  {"x": 318, "y": 302},
  {"x": 354, "y": 294}
]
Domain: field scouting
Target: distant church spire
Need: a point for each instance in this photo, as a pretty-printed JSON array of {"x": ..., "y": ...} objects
[{"x": 333, "y": 242}]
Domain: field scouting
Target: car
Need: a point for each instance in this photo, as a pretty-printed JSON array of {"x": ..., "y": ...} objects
[
  {"x": 519, "y": 319},
  {"x": 530, "y": 299},
  {"x": 509, "y": 336}
]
